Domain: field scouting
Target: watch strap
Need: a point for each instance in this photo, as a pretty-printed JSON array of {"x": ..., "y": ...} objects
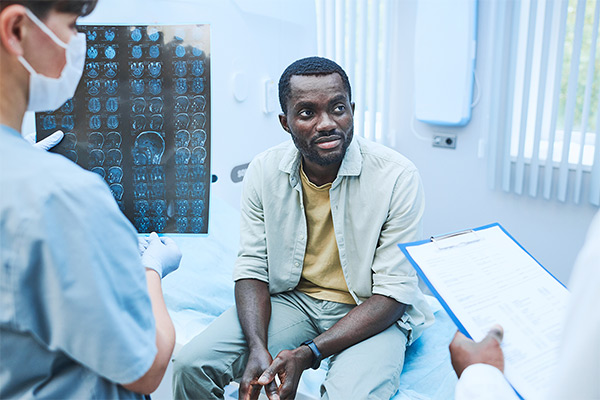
[{"x": 317, "y": 356}]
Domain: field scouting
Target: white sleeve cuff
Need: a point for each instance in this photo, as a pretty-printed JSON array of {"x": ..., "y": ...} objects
[{"x": 483, "y": 382}]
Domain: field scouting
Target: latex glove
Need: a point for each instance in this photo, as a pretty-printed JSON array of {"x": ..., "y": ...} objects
[
  {"x": 143, "y": 244},
  {"x": 47, "y": 143},
  {"x": 161, "y": 255}
]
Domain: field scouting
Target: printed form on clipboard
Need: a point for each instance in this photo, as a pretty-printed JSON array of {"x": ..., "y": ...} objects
[{"x": 484, "y": 276}]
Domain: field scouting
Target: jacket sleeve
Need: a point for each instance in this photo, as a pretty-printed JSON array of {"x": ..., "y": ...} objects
[{"x": 251, "y": 262}]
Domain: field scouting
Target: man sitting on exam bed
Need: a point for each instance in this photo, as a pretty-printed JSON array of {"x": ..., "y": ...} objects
[
  {"x": 480, "y": 365},
  {"x": 318, "y": 270}
]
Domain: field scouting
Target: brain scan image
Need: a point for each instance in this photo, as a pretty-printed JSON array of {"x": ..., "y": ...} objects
[
  {"x": 95, "y": 140},
  {"x": 182, "y": 224},
  {"x": 110, "y": 52},
  {"x": 137, "y": 87},
  {"x": 198, "y": 103},
  {"x": 67, "y": 122},
  {"x": 142, "y": 224},
  {"x": 114, "y": 157},
  {"x": 198, "y": 120},
  {"x": 181, "y": 172},
  {"x": 138, "y": 106},
  {"x": 181, "y": 86},
  {"x": 113, "y": 140},
  {"x": 182, "y": 156},
  {"x": 197, "y": 68},
  {"x": 109, "y": 35},
  {"x": 67, "y": 108},
  {"x": 151, "y": 144},
  {"x": 158, "y": 207},
  {"x": 141, "y": 120},
  {"x": 100, "y": 171},
  {"x": 197, "y": 85},
  {"x": 181, "y": 207},
  {"x": 96, "y": 158},
  {"x": 198, "y": 137},
  {"x": 154, "y": 68},
  {"x": 115, "y": 175},
  {"x": 69, "y": 141},
  {"x": 111, "y": 86},
  {"x": 156, "y": 105},
  {"x": 180, "y": 68},
  {"x": 198, "y": 155},
  {"x": 92, "y": 69},
  {"x": 182, "y": 138},
  {"x": 112, "y": 122},
  {"x": 182, "y": 103},
  {"x": 93, "y": 87},
  {"x": 157, "y": 190},
  {"x": 140, "y": 190},
  {"x": 112, "y": 105},
  {"x": 117, "y": 190},
  {"x": 154, "y": 51},
  {"x": 95, "y": 122},
  {"x": 156, "y": 122},
  {"x": 136, "y": 34},
  {"x": 94, "y": 105},
  {"x": 155, "y": 86},
  {"x": 182, "y": 121},
  {"x": 137, "y": 69},
  {"x": 49, "y": 122},
  {"x": 110, "y": 69},
  {"x": 141, "y": 207}
]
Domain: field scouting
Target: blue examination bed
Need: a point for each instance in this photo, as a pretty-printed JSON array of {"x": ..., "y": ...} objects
[{"x": 202, "y": 288}]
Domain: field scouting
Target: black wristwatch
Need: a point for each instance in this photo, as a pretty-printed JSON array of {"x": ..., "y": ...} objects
[{"x": 317, "y": 356}]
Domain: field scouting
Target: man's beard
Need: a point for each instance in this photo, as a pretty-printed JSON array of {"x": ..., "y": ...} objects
[{"x": 310, "y": 152}]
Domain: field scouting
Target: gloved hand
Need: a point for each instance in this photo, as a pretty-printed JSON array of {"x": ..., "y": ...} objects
[
  {"x": 161, "y": 255},
  {"x": 45, "y": 144}
]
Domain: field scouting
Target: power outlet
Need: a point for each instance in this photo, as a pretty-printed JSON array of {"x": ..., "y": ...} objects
[{"x": 445, "y": 141}]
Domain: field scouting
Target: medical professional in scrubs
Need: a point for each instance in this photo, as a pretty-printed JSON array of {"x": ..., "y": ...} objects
[{"x": 82, "y": 314}]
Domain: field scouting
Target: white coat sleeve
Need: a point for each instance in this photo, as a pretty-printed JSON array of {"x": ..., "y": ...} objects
[{"x": 483, "y": 382}]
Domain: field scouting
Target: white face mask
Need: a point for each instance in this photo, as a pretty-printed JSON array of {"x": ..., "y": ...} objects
[{"x": 47, "y": 94}]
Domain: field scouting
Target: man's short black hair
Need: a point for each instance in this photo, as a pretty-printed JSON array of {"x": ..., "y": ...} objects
[
  {"x": 309, "y": 66},
  {"x": 41, "y": 8}
]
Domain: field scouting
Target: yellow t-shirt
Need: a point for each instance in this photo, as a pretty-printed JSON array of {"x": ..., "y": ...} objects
[{"x": 322, "y": 275}]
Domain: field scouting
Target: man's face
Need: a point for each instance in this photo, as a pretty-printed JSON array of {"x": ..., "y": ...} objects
[{"x": 319, "y": 117}]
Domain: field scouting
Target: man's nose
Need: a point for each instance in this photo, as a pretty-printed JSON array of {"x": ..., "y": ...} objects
[{"x": 325, "y": 123}]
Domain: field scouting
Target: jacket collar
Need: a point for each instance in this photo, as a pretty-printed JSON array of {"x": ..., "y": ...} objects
[{"x": 351, "y": 164}]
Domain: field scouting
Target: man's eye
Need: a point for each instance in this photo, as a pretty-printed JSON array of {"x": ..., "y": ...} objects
[
  {"x": 305, "y": 113},
  {"x": 340, "y": 108}
]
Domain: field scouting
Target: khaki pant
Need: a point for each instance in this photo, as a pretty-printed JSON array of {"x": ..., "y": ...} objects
[{"x": 368, "y": 370}]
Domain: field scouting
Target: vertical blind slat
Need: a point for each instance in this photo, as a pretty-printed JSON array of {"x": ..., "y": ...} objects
[
  {"x": 387, "y": 72},
  {"x": 351, "y": 59},
  {"x": 595, "y": 176},
  {"x": 520, "y": 166},
  {"x": 535, "y": 156},
  {"x": 340, "y": 31},
  {"x": 561, "y": 19},
  {"x": 321, "y": 23},
  {"x": 571, "y": 101},
  {"x": 587, "y": 97},
  {"x": 361, "y": 67},
  {"x": 506, "y": 167},
  {"x": 373, "y": 67},
  {"x": 330, "y": 29}
]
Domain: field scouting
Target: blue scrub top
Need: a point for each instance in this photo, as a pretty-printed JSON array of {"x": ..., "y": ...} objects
[{"x": 75, "y": 317}]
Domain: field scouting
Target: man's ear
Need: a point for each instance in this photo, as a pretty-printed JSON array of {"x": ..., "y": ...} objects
[
  {"x": 284, "y": 123},
  {"x": 352, "y": 106},
  {"x": 12, "y": 27}
]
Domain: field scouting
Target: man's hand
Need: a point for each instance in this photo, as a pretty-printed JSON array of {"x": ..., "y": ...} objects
[
  {"x": 47, "y": 143},
  {"x": 288, "y": 365},
  {"x": 465, "y": 352},
  {"x": 258, "y": 361}
]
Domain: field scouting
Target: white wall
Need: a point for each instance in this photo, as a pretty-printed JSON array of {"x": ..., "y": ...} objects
[{"x": 455, "y": 181}]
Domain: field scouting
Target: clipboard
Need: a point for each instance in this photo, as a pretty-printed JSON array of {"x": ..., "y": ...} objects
[{"x": 483, "y": 276}]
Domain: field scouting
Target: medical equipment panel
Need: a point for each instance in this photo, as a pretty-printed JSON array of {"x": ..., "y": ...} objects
[{"x": 140, "y": 119}]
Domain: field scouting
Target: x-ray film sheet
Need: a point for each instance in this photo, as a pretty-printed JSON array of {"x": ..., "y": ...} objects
[{"x": 140, "y": 119}]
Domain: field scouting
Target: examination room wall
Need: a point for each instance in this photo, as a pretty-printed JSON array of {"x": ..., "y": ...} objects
[{"x": 456, "y": 183}]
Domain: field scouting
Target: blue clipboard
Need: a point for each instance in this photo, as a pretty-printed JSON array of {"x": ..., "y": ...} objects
[{"x": 453, "y": 236}]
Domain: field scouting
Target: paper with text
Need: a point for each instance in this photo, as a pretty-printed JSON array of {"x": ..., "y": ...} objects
[{"x": 489, "y": 280}]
